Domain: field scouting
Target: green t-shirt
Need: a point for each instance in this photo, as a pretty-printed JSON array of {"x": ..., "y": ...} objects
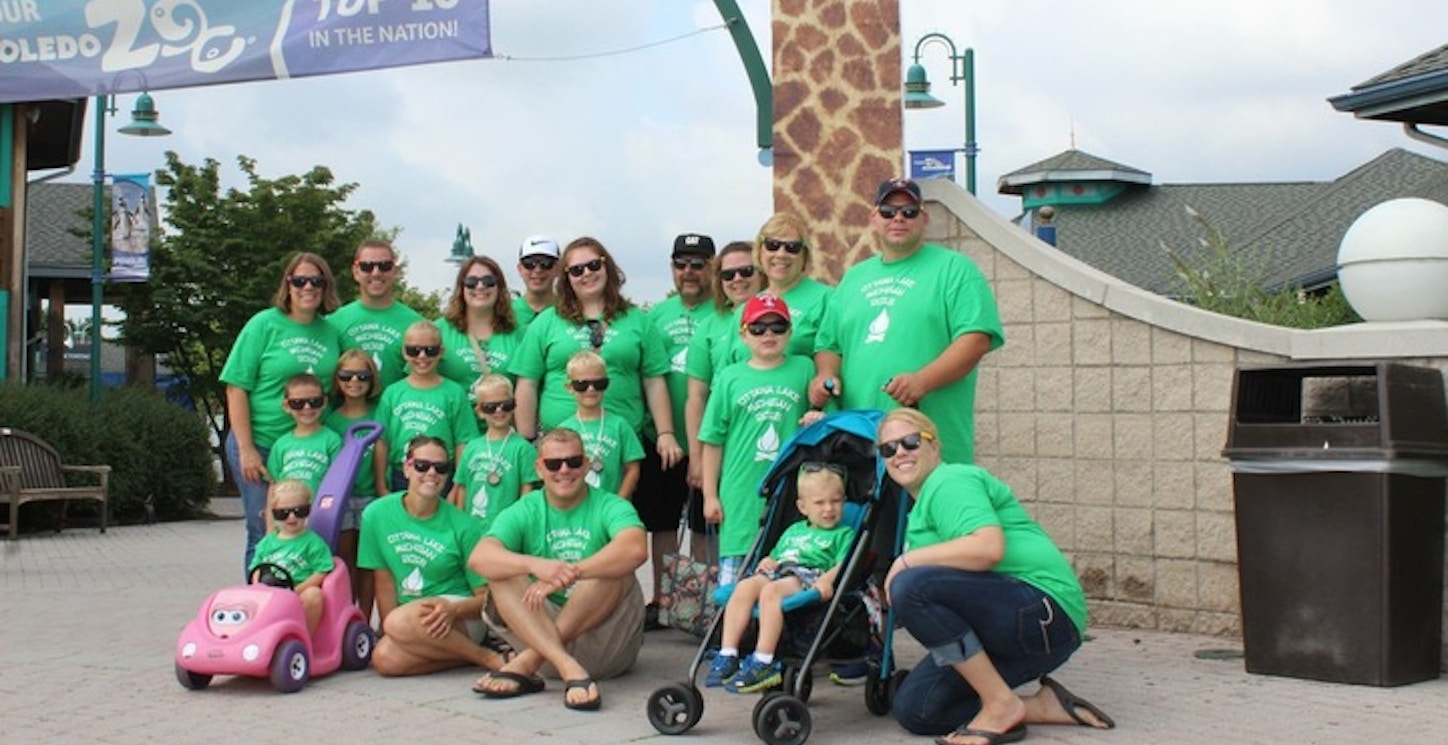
[
  {"x": 270, "y": 349},
  {"x": 750, "y": 415},
  {"x": 523, "y": 312},
  {"x": 716, "y": 346},
  {"x": 428, "y": 557},
  {"x": 302, "y": 556},
  {"x": 365, "y": 485},
  {"x": 442, "y": 411},
  {"x": 509, "y": 462},
  {"x": 813, "y": 548},
  {"x": 609, "y": 441},
  {"x": 632, "y": 351},
  {"x": 304, "y": 458},
  {"x": 806, "y": 302},
  {"x": 534, "y": 527},
  {"x": 890, "y": 318},
  {"x": 957, "y": 500},
  {"x": 677, "y": 326},
  {"x": 460, "y": 361},
  {"x": 378, "y": 333}
]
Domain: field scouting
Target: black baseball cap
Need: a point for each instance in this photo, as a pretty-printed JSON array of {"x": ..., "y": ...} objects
[
  {"x": 897, "y": 185},
  {"x": 694, "y": 244}
]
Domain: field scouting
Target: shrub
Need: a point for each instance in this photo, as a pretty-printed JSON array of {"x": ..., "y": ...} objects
[{"x": 157, "y": 451}]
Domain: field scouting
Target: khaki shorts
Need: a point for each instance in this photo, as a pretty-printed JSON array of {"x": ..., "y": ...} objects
[
  {"x": 474, "y": 627},
  {"x": 609, "y": 650}
]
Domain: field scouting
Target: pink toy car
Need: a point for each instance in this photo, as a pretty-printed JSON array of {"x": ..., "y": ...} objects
[{"x": 260, "y": 631}]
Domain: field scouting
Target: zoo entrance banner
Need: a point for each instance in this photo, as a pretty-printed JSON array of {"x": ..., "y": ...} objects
[{"x": 53, "y": 49}]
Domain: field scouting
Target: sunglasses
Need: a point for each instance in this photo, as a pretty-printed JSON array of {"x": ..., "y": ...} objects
[
  {"x": 301, "y": 511},
  {"x": 311, "y": 402},
  {"x": 492, "y": 406},
  {"x": 743, "y": 272},
  {"x": 535, "y": 264},
  {"x": 889, "y": 448},
  {"x": 595, "y": 332},
  {"x": 908, "y": 211},
  {"x": 555, "y": 465},
  {"x": 422, "y": 350},
  {"x": 442, "y": 467},
  {"x": 778, "y": 328},
  {"x": 697, "y": 264},
  {"x": 347, "y": 376},
  {"x": 590, "y": 267},
  {"x": 302, "y": 280},
  {"x": 815, "y": 466},
  {"x": 597, "y": 384},
  {"x": 773, "y": 245},
  {"x": 473, "y": 280},
  {"x": 369, "y": 267}
]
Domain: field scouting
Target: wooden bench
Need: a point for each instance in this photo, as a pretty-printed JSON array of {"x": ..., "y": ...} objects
[{"x": 31, "y": 471}]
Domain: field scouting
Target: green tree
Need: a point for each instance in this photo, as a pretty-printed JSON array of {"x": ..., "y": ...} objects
[{"x": 220, "y": 261}]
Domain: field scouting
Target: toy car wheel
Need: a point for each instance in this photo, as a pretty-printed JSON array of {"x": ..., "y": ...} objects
[
  {"x": 877, "y": 693},
  {"x": 804, "y": 678},
  {"x": 675, "y": 709},
  {"x": 290, "y": 666},
  {"x": 357, "y": 646},
  {"x": 782, "y": 720},
  {"x": 193, "y": 681}
]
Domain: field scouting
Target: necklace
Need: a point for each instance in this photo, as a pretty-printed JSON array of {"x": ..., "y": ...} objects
[
  {"x": 596, "y": 457},
  {"x": 495, "y": 474}
]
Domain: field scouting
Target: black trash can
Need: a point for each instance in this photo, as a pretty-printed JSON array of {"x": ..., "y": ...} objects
[{"x": 1338, "y": 476}]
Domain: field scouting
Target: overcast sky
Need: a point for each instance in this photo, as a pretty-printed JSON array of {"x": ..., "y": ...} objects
[{"x": 634, "y": 148}]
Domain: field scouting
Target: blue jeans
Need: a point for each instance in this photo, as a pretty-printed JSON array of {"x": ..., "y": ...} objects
[
  {"x": 956, "y": 614},
  {"x": 253, "y": 498}
]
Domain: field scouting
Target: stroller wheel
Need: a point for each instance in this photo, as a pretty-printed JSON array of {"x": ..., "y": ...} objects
[
  {"x": 805, "y": 679},
  {"x": 877, "y": 693},
  {"x": 782, "y": 720},
  {"x": 675, "y": 709}
]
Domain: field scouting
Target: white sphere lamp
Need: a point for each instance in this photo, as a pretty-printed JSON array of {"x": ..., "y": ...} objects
[{"x": 1393, "y": 261}]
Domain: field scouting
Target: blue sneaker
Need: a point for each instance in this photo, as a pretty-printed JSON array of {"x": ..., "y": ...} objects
[
  {"x": 720, "y": 670},
  {"x": 754, "y": 676},
  {"x": 850, "y": 674}
]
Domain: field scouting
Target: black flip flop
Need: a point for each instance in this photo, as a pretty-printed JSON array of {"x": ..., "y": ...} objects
[
  {"x": 1014, "y": 734},
  {"x": 525, "y": 684},
  {"x": 1070, "y": 702},
  {"x": 585, "y": 683}
]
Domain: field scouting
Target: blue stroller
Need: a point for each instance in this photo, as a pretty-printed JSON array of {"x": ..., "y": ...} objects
[{"x": 851, "y": 627}]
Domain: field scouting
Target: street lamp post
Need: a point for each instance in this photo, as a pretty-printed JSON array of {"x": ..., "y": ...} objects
[
  {"x": 143, "y": 124},
  {"x": 962, "y": 68}
]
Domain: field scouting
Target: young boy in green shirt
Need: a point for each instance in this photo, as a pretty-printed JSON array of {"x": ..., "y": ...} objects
[
  {"x": 307, "y": 451},
  {"x": 613, "y": 449},
  {"x": 301, "y": 552},
  {"x": 496, "y": 469},
  {"x": 423, "y": 403}
]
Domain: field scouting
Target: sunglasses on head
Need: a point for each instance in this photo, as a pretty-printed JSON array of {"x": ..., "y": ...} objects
[
  {"x": 347, "y": 376},
  {"x": 889, "y": 448},
  {"x": 301, "y": 511},
  {"x": 422, "y": 350},
  {"x": 442, "y": 467},
  {"x": 310, "y": 402},
  {"x": 473, "y": 280},
  {"x": 771, "y": 245},
  {"x": 555, "y": 465},
  {"x": 595, "y": 332},
  {"x": 815, "y": 466},
  {"x": 492, "y": 406},
  {"x": 907, "y": 211},
  {"x": 597, "y": 384},
  {"x": 590, "y": 267},
  {"x": 695, "y": 263},
  {"x": 302, "y": 280},
  {"x": 743, "y": 272},
  {"x": 532, "y": 264},
  {"x": 368, "y": 267},
  {"x": 778, "y": 328}
]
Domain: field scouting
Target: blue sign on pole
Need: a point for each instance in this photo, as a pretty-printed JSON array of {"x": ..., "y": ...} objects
[
  {"x": 932, "y": 164},
  {"x": 78, "y": 48}
]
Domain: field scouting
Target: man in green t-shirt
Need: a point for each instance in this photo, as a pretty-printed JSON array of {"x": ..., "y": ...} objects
[
  {"x": 539, "y": 269},
  {"x": 560, "y": 566},
  {"x": 376, "y": 321},
  {"x": 909, "y": 327}
]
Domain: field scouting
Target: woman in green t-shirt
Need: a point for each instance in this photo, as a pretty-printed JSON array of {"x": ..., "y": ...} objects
[
  {"x": 479, "y": 331},
  {"x": 982, "y": 587}
]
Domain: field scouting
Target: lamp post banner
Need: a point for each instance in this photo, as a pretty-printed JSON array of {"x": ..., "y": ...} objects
[
  {"x": 73, "y": 48},
  {"x": 132, "y": 215}
]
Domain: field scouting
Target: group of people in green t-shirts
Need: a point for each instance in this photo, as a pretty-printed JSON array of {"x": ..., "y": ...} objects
[{"x": 512, "y": 545}]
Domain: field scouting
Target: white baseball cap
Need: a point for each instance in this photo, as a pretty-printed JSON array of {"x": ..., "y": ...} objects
[{"x": 539, "y": 245}]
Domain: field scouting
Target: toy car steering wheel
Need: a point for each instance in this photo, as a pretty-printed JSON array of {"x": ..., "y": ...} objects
[{"x": 274, "y": 575}]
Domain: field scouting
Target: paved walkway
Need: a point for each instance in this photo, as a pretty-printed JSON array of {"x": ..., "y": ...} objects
[{"x": 88, "y": 624}]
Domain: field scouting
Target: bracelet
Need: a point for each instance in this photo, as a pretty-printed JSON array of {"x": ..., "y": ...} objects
[
  {"x": 903, "y": 562},
  {"x": 669, "y": 433}
]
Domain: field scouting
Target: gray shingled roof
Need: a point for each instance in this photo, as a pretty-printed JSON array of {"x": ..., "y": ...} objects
[
  {"x": 51, "y": 212},
  {"x": 1071, "y": 165},
  {"x": 1422, "y": 64},
  {"x": 1294, "y": 226},
  {"x": 1415, "y": 92}
]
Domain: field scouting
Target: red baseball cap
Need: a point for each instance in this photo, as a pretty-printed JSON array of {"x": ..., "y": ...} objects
[{"x": 762, "y": 305}]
